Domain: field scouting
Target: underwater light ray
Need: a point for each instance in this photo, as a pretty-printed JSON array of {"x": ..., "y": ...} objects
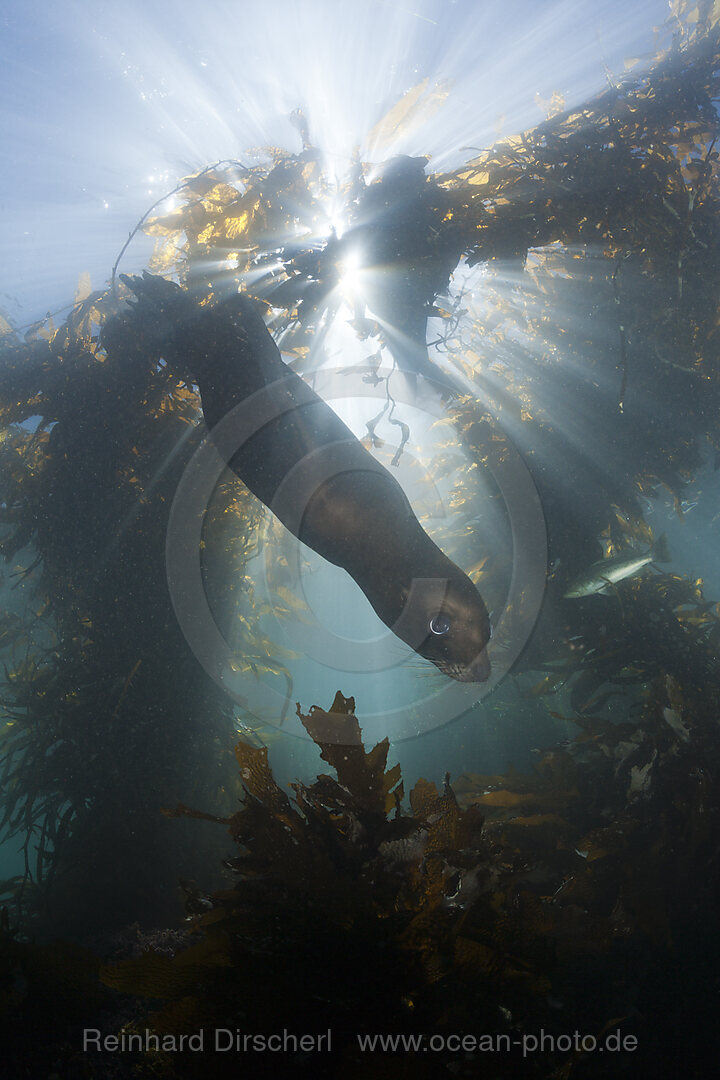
[
  {"x": 498, "y": 69},
  {"x": 172, "y": 92}
]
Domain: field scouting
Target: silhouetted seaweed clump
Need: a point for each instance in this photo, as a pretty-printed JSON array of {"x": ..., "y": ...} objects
[
  {"x": 107, "y": 714},
  {"x": 579, "y": 898}
]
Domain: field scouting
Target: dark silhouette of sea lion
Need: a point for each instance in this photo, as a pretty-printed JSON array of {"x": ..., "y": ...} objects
[{"x": 307, "y": 466}]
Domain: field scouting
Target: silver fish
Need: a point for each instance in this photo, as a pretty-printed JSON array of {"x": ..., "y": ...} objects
[{"x": 608, "y": 572}]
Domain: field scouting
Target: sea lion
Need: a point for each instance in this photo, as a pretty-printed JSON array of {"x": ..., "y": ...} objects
[{"x": 318, "y": 479}]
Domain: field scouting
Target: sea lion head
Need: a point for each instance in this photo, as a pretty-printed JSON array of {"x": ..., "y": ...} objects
[
  {"x": 459, "y": 635},
  {"x": 445, "y": 621},
  {"x": 360, "y": 519}
]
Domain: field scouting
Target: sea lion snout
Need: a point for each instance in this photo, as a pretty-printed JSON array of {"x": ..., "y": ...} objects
[{"x": 478, "y": 671}]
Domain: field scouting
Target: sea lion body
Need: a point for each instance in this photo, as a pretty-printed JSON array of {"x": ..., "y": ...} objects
[{"x": 328, "y": 490}]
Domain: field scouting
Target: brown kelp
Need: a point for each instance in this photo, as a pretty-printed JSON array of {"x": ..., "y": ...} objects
[
  {"x": 577, "y": 898},
  {"x": 104, "y": 707}
]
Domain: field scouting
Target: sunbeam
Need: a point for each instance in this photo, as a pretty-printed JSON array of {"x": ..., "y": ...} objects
[{"x": 112, "y": 105}]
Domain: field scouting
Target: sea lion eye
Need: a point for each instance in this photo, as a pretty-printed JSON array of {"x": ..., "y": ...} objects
[{"x": 439, "y": 624}]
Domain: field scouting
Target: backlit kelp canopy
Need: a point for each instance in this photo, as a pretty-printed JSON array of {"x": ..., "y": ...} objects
[{"x": 569, "y": 278}]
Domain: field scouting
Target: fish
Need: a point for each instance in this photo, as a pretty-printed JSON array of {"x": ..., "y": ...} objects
[{"x": 608, "y": 572}]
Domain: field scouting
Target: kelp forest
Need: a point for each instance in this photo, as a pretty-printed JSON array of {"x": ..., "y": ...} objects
[{"x": 567, "y": 281}]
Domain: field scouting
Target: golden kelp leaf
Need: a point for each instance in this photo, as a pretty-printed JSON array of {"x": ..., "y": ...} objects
[
  {"x": 337, "y": 733},
  {"x": 156, "y": 975},
  {"x": 413, "y": 108},
  {"x": 506, "y": 798},
  {"x": 200, "y": 184},
  {"x": 551, "y": 106},
  {"x": 448, "y": 826},
  {"x": 219, "y": 195},
  {"x": 540, "y": 819},
  {"x": 479, "y": 178},
  {"x": 299, "y": 351},
  {"x": 152, "y": 975},
  {"x": 294, "y": 603},
  {"x": 236, "y": 226},
  {"x": 476, "y": 572},
  {"x": 512, "y": 141},
  {"x": 590, "y": 850},
  {"x": 474, "y": 956},
  {"x": 207, "y": 233},
  {"x": 5, "y": 327},
  {"x": 257, "y": 776},
  {"x": 165, "y": 257},
  {"x": 377, "y": 760},
  {"x": 422, "y": 797}
]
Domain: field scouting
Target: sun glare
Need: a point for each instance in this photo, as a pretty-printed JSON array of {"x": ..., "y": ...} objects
[
  {"x": 168, "y": 98},
  {"x": 351, "y": 273}
]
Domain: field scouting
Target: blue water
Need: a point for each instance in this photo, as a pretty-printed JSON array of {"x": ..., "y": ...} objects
[{"x": 105, "y": 107}]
